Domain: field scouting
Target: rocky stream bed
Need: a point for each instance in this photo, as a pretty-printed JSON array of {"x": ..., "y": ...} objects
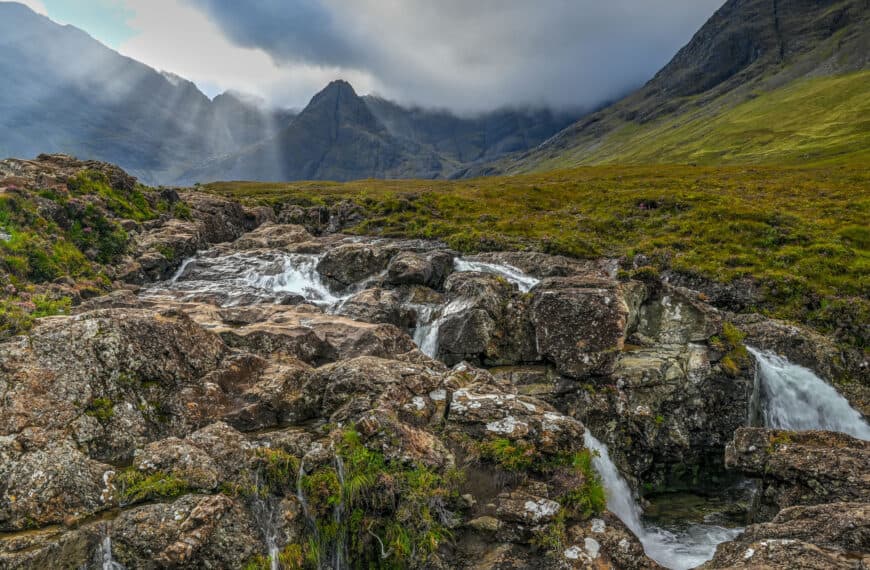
[{"x": 291, "y": 397}]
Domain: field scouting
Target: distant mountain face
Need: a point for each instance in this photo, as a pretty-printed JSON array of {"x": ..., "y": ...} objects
[
  {"x": 755, "y": 65},
  {"x": 342, "y": 136},
  {"x": 65, "y": 92}
]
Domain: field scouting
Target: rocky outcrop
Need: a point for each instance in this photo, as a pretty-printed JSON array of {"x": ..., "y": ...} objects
[{"x": 801, "y": 468}]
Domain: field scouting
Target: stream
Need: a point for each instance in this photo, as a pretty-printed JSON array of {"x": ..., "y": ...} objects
[{"x": 788, "y": 396}]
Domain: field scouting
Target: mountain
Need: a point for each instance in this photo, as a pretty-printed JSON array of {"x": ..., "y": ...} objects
[
  {"x": 343, "y": 136},
  {"x": 470, "y": 139},
  {"x": 66, "y": 92},
  {"x": 63, "y": 91},
  {"x": 761, "y": 81},
  {"x": 335, "y": 137}
]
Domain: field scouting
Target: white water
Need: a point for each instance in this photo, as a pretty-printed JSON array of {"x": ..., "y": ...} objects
[
  {"x": 108, "y": 563},
  {"x": 429, "y": 320},
  {"x": 245, "y": 278},
  {"x": 679, "y": 550},
  {"x": 794, "y": 398},
  {"x": 512, "y": 274}
]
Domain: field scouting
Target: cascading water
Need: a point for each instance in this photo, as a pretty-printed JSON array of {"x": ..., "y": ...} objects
[
  {"x": 339, "y": 552},
  {"x": 792, "y": 397},
  {"x": 512, "y": 274},
  {"x": 430, "y": 317},
  {"x": 682, "y": 550},
  {"x": 268, "y": 518},
  {"x": 105, "y": 553}
]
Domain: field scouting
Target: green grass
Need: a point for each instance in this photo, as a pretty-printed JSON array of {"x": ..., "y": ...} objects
[
  {"x": 800, "y": 232},
  {"x": 819, "y": 120}
]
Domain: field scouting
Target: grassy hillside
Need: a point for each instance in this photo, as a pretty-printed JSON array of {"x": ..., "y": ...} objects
[
  {"x": 801, "y": 233},
  {"x": 824, "y": 119}
]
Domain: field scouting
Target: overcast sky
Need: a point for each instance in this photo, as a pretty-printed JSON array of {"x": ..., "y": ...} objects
[{"x": 466, "y": 55}]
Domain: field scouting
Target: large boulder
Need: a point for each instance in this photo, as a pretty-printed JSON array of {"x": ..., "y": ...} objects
[
  {"x": 350, "y": 263},
  {"x": 581, "y": 324},
  {"x": 427, "y": 269}
]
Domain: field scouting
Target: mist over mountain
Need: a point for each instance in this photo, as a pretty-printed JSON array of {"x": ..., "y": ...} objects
[{"x": 66, "y": 92}]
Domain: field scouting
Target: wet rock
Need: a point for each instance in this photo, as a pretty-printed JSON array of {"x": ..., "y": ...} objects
[
  {"x": 271, "y": 236},
  {"x": 429, "y": 270},
  {"x": 379, "y": 306},
  {"x": 667, "y": 414},
  {"x": 486, "y": 321},
  {"x": 801, "y": 468},
  {"x": 784, "y": 554},
  {"x": 350, "y": 263}
]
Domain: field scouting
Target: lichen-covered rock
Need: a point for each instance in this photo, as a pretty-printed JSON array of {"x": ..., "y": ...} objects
[
  {"x": 581, "y": 325},
  {"x": 801, "y": 468},
  {"x": 377, "y": 305},
  {"x": 784, "y": 554}
]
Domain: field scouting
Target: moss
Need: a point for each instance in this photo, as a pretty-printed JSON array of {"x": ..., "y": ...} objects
[
  {"x": 279, "y": 469},
  {"x": 589, "y": 498},
  {"x": 509, "y": 455},
  {"x": 406, "y": 508},
  {"x": 102, "y": 409},
  {"x": 730, "y": 341},
  {"x": 135, "y": 486}
]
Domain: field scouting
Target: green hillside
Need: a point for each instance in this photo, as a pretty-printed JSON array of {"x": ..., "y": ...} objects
[{"x": 825, "y": 119}]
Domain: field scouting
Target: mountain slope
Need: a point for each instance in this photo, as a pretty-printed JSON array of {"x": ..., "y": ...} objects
[
  {"x": 721, "y": 98},
  {"x": 63, "y": 91}
]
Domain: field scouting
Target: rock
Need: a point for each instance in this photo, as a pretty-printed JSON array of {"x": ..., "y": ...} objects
[
  {"x": 842, "y": 526},
  {"x": 193, "y": 532},
  {"x": 429, "y": 270},
  {"x": 581, "y": 325},
  {"x": 270, "y": 236},
  {"x": 667, "y": 414},
  {"x": 801, "y": 468},
  {"x": 377, "y": 305},
  {"x": 784, "y": 554},
  {"x": 350, "y": 263},
  {"x": 604, "y": 541}
]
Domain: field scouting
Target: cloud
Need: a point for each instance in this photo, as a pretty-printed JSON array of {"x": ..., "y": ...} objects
[
  {"x": 472, "y": 55},
  {"x": 175, "y": 36}
]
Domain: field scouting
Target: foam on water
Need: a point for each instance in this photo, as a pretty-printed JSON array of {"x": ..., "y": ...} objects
[
  {"x": 509, "y": 272},
  {"x": 680, "y": 549}
]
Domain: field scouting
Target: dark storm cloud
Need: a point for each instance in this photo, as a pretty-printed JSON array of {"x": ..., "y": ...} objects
[{"x": 474, "y": 54}]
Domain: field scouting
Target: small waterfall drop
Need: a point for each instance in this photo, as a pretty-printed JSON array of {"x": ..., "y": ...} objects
[
  {"x": 682, "y": 550},
  {"x": 268, "y": 518},
  {"x": 792, "y": 397},
  {"x": 106, "y": 560},
  {"x": 512, "y": 274},
  {"x": 339, "y": 553}
]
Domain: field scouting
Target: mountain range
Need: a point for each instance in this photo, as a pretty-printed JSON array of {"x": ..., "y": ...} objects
[
  {"x": 66, "y": 92},
  {"x": 761, "y": 81}
]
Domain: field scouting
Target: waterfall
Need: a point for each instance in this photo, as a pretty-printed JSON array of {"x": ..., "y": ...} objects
[
  {"x": 794, "y": 398},
  {"x": 512, "y": 274},
  {"x": 429, "y": 320},
  {"x": 268, "y": 518},
  {"x": 105, "y": 552},
  {"x": 306, "y": 512},
  {"x": 181, "y": 269},
  {"x": 299, "y": 276},
  {"x": 681, "y": 550},
  {"x": 339, "y": 552}
]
